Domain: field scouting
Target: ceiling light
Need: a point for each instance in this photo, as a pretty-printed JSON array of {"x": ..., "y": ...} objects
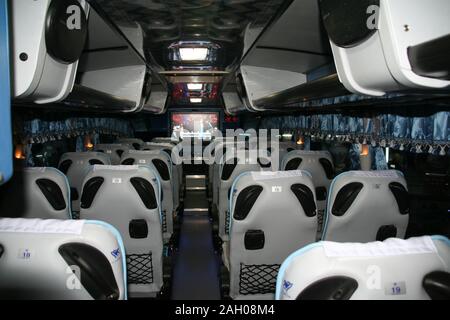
[
  {"x": 196, "y": 100},
  {"x": 193, "y": 54},
  {"x": 195, "y": 86}
]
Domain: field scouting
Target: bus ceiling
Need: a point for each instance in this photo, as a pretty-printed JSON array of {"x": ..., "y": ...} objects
[{"x": 245, "y": 56}]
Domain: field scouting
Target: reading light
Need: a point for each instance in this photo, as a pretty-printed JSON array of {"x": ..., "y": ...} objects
[
  {"x": 196, "y": 100},
  {"x": 300, "y": 141},
  {"x": 88, "y": 143},
  {"x": 365, "y": 158},
  {"x": 19, "y": 153},
  {"x": 193, "y": 54},
  {"x": 364, "y": 150},
  {"x": 195, "y": 86}
]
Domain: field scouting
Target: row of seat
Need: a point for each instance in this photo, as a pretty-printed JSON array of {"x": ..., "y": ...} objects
[
  {"x": 137, "y": 198},
  {"x": 275, "y": 213},
  {"x": 80, "y": 260},
  {"x": 264, "y": 215},
  {"x": 76, "y": 164},
  {"x": 234, "y": 162},
  {"x": 272, "y": 214},
  {"x": 127, "y": 197}
]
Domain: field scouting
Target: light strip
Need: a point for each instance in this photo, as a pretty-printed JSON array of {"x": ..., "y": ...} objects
[
  {"x": 195, "y": 86},
  {"x": 196, "y": 100},
  {"x": 193, "y": 54}
]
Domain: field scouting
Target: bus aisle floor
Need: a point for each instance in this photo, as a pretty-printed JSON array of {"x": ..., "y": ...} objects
[{"x": 196, "y": 266}]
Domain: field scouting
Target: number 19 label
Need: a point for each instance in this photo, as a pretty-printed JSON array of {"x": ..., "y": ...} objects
[{"x": 396, "y": 289}]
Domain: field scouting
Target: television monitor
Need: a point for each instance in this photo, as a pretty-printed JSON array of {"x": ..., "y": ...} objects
[{"x": 194, "y": 125}]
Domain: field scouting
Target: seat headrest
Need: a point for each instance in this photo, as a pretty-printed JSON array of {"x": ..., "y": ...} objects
[
  {"x": 417, "y": 268},
  {"x": 115, "y": 151},
  {"x": 299, "y": 159},
  {"x": 234, "y": 163},
  {"x": 159, "y": 145},
  {"x": 112, "y": 146},
  {"x": 248, "y": 186},
  {"x": 70, "y": 159},
  {"x": 54, "y": 259},
  {"x": 136, "y": 143},
  {"x": 215, "y": 150},
  {"x": 365, "y": 206},
  {"x": 140, "y": 181},
  {"x": 127, "y": 169},
  {"x": 84, "y": 155},
  {"x": 36, "y": 193},
  {"x": 147, "y": 153},
  {"x": 157, "y": 159}
]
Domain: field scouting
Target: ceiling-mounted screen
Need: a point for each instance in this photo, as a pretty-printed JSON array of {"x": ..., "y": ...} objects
[{"x": 194, "y": 125}]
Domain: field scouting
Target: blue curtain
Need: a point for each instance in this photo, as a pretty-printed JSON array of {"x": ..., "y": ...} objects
[
  {"x": 431, "y": 130},
  {"x": 76, "y": 127}
]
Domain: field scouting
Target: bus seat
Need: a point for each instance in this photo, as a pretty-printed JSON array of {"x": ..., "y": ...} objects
[
  {"x": 160, "y": 162},
  {"x": 177, "y": 167},
  {"x": 61, "y": 260},
  {"x": 114, "y": 150},
  {"x": 396, "y": 269},
  {"x": 128, "y": 197},
  {"x": 320, "y": 165},
  {"x": 136, "y": 143},
  {"x": 36, "y": 193},
  {"x": 366, "y": 206},
  {"x": 234, "y": 164},
  {"x": 273, "y": 215},
  {"x": 76, "y": 165}
]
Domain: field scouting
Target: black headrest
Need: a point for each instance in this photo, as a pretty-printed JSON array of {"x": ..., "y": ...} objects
[
  {"x": 437, "y": 285},
  {"x": 52, "y": 193}
]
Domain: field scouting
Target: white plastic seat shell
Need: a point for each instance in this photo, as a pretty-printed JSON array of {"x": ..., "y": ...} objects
[
  {"x": 32, "y": 264},
  {"x": 389, "y": 270}
]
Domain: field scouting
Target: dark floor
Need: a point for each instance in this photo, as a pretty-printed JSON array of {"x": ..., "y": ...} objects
[
  {"x": 195, "y": 202},
  {"x": 196, "y": 266}
]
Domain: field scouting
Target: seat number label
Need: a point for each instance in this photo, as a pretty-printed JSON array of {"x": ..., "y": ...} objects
[
  {"x": 396, "y": 289},
  {"x": 277, "y": 189},
  {"x": 24, "y": 254},
  {"x": 117, "y": 180}
]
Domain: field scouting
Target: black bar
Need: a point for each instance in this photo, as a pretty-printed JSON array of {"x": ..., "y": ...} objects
[{"x": 431, "y": 59}]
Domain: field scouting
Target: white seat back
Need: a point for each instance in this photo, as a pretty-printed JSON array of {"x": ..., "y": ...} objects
[
  {"x": 128, "y": 197},
  {"x": 136, "y": 143},
  {"x": 76, "y": 165},
  {"x": 114, "y": 151},
  {"x": 320, "y": 165},
  {"x": 233, "y": 164},
  {"x": 160, "y": 162},
  {"x": 273, "y": 215},
  {"x": 177, "y": 166},
  {"x": 36, "y": 193},
  {"x": 61, "y": 260},
  {"x": 366, "y": 206},
  {"x": 396, "y": 269},
  {"x": 217, "y": 153}
]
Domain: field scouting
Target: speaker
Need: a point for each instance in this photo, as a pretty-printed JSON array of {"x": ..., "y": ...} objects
[
  {"x": 48, "y": 38},
  {"x": 382, "y": 46}
]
